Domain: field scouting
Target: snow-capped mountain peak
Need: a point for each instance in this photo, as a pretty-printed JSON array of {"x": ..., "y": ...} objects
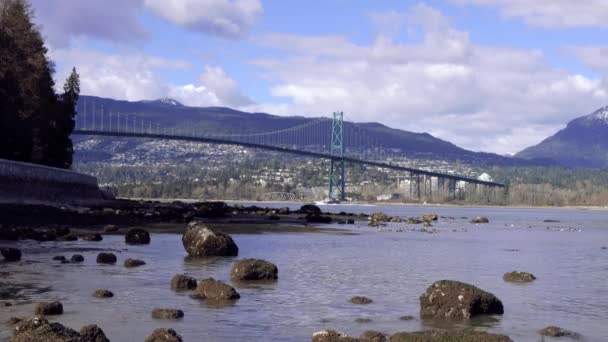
[
  {"x": 170, "y": 101},
  {"x": 600, "y": 114}
]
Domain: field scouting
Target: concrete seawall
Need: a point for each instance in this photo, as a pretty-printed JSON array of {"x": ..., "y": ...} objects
[{"x": 25, "y": 183}]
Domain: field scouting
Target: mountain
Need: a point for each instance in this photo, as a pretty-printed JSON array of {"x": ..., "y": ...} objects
[
  {"x": 219, "y": 120},
  {"x": 583, "y": 143}
]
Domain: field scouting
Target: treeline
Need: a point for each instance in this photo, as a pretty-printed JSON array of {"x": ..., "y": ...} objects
[{"x": 35, "y": 121}]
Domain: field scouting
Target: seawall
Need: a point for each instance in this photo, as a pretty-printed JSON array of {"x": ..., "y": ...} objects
[{"x": 25, "y": 183}]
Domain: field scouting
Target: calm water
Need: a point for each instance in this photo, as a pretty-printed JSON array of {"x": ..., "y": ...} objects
[{"x": 318, "y": 273}]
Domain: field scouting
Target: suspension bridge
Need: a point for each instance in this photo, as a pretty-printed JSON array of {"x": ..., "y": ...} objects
[{"x": 321, "y": 138}]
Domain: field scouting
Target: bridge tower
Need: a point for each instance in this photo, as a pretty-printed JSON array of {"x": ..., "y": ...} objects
[{"x": 336, "y": 166}]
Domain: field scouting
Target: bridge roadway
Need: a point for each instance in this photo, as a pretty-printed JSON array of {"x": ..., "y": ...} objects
[{"x": 285, "y": 150}]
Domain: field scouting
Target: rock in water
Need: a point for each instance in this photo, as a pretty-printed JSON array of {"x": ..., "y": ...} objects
[
  {"x": 39, "y": 329},
  {"x": 216, "y": 290},
  {"x": 360, "y": 300},
  {"x": 429, "y": 217},
  {"x": 77, "y": 258},
  {"x": 137, "y": 236},
  {"x": 480, "y": 219},
  {"x": 59, "y": 258},
  {"x": 103, "y": 294},
  {"x": 518, "y": 277},
  {"x": 554, "y": 331},
  {"x": 164, "y": 335},
  {"x": 130, "y": 263},
  {"x": 310, "y": 209},
  {"x": 110, "y": 228},
  {"x": 200, "y": 241},
  {"x": 92, "y": 333},
  {"x": 106, "y": 258},
  {"x": 377, "y": 219},
  {"x": 48, "y": 308},
  {"x": 167, "y": 313},
  {"x": 332, "y": 336},
  {"x": 212, "y": 209},
  {"x": 467, "y": 335},
  {"x": 183, "y": 282},
  {"x": 372, "y": 336},
  {"x": 91, "y": 237},
  {"x": 11, "y": 254},
  {"x": 254, "y": 270},
  {"x": 449, "y": 299}
]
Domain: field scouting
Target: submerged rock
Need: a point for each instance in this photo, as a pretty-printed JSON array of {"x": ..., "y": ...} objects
[
  {"x": 106, "y": 258},
  {"x": 480, "y": 219},
  {"x": 254, "y": 270},
  {"x": 372, "y": 336},
  {"x": 183, "y": 282},
  {"x": 164, "y": 335},
  {"x": 92, "y": 333},
  {"x": 77, "y": 258},
  {"x": 103, "y": 294},
  {"x": 449, "y": 299},
  {"x": 11, "y": 254},
  {"x": 406, "y": 318},
  {"x": 363, "y": 320},
  {"x": 360, "y": 300},
  {"x": 137, "y": 236},
  {"x": 48, "y": 308},
  {"x": 167, "y": 313},
  {"x": 201, "y": 241},
  {"x": 59, "y": 258},
  {"x": 554, "y": 331},
  {"x": 467, "y": 335},
  {"x": 518, "y": 277},
  {"x": 91, "y": 237},
  {"x": 332, "y": 336},
  {"x": 39, "y": 329},
  {"x": 130, "y": 263},
  {"x": 216, "y": 290}
]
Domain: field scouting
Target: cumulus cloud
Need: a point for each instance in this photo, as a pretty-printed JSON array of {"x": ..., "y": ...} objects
[
  {"x": 225, "y": 18},
  {"x": 551, "y": 13},
  {"x": 479, "y": 97},
  {"x": 115, "y": 20},
  {"x": 595, "y": 57}
]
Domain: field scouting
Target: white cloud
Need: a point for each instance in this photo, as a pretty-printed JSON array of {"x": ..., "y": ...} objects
[
  {"x": 225, "y": 18},
  {"x": 216, "y": 89},
  {"x": 551, "y": 13},
  {"x": 479, "y": 97},
  {"x": 595, "y": 57}
]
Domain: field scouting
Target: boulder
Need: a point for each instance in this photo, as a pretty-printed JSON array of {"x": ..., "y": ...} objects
[
  {"x": 106, "y": 258},
  {"x": 518, "y": 277},
  {"x": 429, "y": 217},
  {"x": 554, "y": 331},
  {"x": 200, "y": 241},
  {"x": 212, "y": 209},
  {"x": 310, "y": 209},
  {"x": 91, "y": 237},
  {"x": 372, "y": 336},
  {"x": 183, "y": 282},
  {"x": 103, "y": 294},
  {"x": 39, "y": 329},
  {"x": 137, "y": 236},
  {"x": 130, "y": 263},
  {"x": 480, "y": 219},
  {"x": 254, "y": 270},
  {"x": 59, "y": 258},
  {"x": 283, "y": 211},
  {"x": 360, "y": 300},
  {"x": 69, "y": 237},
  {"x": 110, "y": 228},
  {"x": 77, "y": 258},
  {"x": 48, "y": 308},
  {"x": 11, "y": 254},
  {"x": 62, "y": 231},
  {"x": 377, "y": 219},
  {"x": 449, "y": 299},
  {"x": 216, "y": 290},
  {"x": 332, "y": 336},
  {"x": 467, "y": 335},
  {"x": 92, "y": 333},
  {"x": 167, "y": 313},
  {"x": 164, "y": 335}
]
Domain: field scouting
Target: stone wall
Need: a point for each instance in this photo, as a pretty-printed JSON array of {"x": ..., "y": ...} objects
[{"x": 37, "y": 184}]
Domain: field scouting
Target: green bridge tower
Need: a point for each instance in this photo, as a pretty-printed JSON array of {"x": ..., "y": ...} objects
[{"x": 336, "y": 166}]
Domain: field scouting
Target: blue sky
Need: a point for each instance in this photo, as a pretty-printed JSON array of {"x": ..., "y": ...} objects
[{"x": 489, "y": 75}]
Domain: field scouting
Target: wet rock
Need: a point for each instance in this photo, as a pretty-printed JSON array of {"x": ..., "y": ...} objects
[
  {"x": 91, "y": 237},
  {"x": 103, "y": 294},
  {"x": 62, "y": 231},
  {"x": 48, "y": 308},
  {"x": 183, "y": 282},
  {"x": 254, "y": 270},
  {"x": 106, "y": 258},
  {"x": 212, "y": 209},
  {"x": 59, "y": 258},
  {"x": 360, "y": 300},
  {"x": 39, "y": 329},
  {"x": 414, "y": 220},
  {"x": 407, "y": 318},
  {"x": 283, "y": 211},
  {"x": 14, "y": 320},
  {"x": 77, "y": 258},
  {"x": 554, "y": 331},
  {"x": 137, "y": 236},
  {"x": 167, "y": 313},
  {"x": 92, "y": 333},
  {"x": 350, "y": 221},
  {"x": 480, "y": 219},
  {"x": 130, "y": 263},
  {"x": 164, "y": 335},
  {"x": 11, "y": 254},
  {"x": 518, "y": 277},
  {"x": 372, "y": 336},
  {"x": 377, "y": 219},
  {"x": 69, "y": 237},
  {"x": 200, "y": 241},
  {"x": 310, "y": 218},
  {"x": 362, "y": 320},
  {"x": 449, "y": 299},
  {"x": 310, "y": 209},
  {"x": 551, "y": 221},
  {"x": 110, "y": 228},
  {"x": 467, "y": 335},
  {"x": 429, "y": 217},
  {"x": 332, "y": 336},
  {"x": 216, "y": 290}
]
